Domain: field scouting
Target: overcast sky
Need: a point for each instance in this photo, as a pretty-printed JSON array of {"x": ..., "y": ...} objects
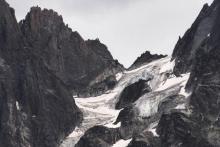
[{"x": 127, "y": 27}]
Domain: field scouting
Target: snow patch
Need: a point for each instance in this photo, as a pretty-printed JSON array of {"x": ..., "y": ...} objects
[
  {"x": 180, "y": 107},
  {"x": 152, "y": 128},
  {"x": 183, "y": 91},
  {"x": 111, "y": 125},
  {"x": 96, "y": 111},
  {"x": 17, "y": 105},
  {"x": 168, "y": 67},
  {"x": 122, "y": 143},
  {"x": 153, "y": 63},
  {"x": 119, "y": 76},
  {"x": 174, "y": 81},
  {"x": 75, "y": 133}
]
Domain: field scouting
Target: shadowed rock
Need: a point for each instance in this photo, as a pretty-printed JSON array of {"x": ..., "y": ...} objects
[
  {"x": 78, "y": 63},
  {"x": 145, "y": 58},
  {"x": 132, "y": 92},
  {"x": 99, "y": 136}
]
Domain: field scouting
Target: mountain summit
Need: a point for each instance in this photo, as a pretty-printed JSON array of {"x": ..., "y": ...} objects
[{"x": 59, "y": 90}]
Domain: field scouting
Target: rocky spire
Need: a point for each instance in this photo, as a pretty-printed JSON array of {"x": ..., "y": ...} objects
[{"x": 75, "y": 61}]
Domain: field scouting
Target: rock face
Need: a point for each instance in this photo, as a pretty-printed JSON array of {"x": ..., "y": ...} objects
[
  {"x": 177, "y": 129},
  {"x": 198, "y": 52},
  {"x": 79, "y": 64},
  {"x": 187, "y": 46},
  {"x": 32, "y": 98},
  {"x": 145, "y": 58},
  {"x": 131, "y": 93},
  {"x": 42, "y": 63},
  {"x": 99, "y": 136},
  {"x": 145, "y": 139}
]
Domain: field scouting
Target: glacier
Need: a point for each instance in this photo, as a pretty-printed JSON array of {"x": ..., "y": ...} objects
[{"x": 101, "y": 110}]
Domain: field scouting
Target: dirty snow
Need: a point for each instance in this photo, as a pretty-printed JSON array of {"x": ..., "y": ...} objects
[
  {"x": 122, "y": 143},
  {"x": 152, "y": 128},
  {"x": 119, "y": 76},
  {"x": 100, "y": 110}
]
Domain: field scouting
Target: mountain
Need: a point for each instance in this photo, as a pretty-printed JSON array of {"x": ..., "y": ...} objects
[
  {"x": 59, "y": 90},
  {"x": 145, "y": 58},
  {"x": 43, "y": 64},
  {"x": 167, "y": 102},
  {"x": 78, "y": 63},
  {"x": 32, "y": 98}
]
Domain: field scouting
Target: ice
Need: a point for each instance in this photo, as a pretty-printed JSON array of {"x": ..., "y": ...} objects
[
  {"x": 181, "y": 106},
  {"x": 111, "y": 125},
  {"x": 173, "y": 82},
  {"x": 100, "y": 110},
  {"x": 75, "y": 133},
  {"x": 164, "y": 84},
  {"x": 183, "y": 91},
  {"x": 168, "y": 67},
  {"x": 96, "y": 111},
  {"x": 119, "y": 76},
  {"x": 122, "y": 143},
  {"x": 152, "y": 128}
]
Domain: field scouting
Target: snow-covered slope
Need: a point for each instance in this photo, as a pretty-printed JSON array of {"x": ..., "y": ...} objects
[{"x": 101, "y": 110}]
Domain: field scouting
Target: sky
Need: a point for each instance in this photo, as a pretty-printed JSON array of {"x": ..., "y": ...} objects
[{"x": 127, "y": 27}]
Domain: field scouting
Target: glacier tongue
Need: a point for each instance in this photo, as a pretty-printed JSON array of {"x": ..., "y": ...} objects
[
  {"x": 101, "y": 110},
  {"x": 96, "y": 111}
]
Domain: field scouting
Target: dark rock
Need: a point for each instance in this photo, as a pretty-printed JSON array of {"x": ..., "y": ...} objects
[
  {"x": 132, "y": 92},
  {"x": 204, "y": 79},
  {"x": 145, "y": 139},
  {"x": 99, "y": 136},
  {"x": 145, "y": 58},
  {"x": 79, "y": 64},
  {"x": 198, "y": 52},
  {"x": 99, "y": 88},
  {"x": 177, "y": 129},
  {"x": 36, "y": 107},
  {"x": 131, "y": 123},
  {"x": 187, "y": 46}
]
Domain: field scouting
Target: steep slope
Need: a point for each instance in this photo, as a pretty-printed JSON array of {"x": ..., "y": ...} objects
[
  {"x": 145, "y": 58},
  {"x": 163, "y": 102},
  {"x": 143, "y": 114},
  {"x": 79, "y": 64},
  {"x": 32, "y": 98},
  {"x": 182, "y": 109},
  {"x": 198, "y": 52},
  {"x": 187, "y": 46}
]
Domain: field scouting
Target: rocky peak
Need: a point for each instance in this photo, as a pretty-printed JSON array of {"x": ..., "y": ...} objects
[
  {"x": 187, "y": 46},
  {"x": 99, "y": 48},
  {"x": 45, "y": 19},
  {"x": 145, "y": 58},
  {"x": 31, "y": 96},
  {"x": 75, "y": 61}
]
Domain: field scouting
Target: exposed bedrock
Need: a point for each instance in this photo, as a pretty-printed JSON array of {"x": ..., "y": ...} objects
[
  {"x": 80, "y": 64},
  {"x": 99, "y": 136},
  {"x": 132, "y": 92},
  {"x": 186, "y": 48},
  {"x": 145, "y": 58},
  {"x": 145, "y": 139}
]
